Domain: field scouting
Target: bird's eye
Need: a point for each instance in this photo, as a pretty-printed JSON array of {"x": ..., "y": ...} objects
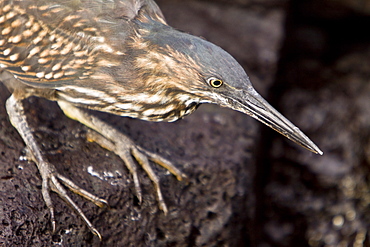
[{"x": 214, "y": 82}]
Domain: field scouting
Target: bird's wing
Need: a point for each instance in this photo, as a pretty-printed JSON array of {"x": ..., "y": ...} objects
[
  {"x": 48, "y": 43},
  {"x": 133, "y": 9}
]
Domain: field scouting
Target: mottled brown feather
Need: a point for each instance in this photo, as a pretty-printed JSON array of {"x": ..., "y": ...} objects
[{"x": 51, "y": 43}]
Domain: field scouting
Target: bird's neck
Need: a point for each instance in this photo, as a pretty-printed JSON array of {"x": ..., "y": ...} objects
[{"x": 155, "y": 89}]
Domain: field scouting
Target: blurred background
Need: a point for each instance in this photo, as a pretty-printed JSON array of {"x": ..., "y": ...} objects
[
  {"x": 311, "y": 60},
  {"x": 249, "y": 186}
]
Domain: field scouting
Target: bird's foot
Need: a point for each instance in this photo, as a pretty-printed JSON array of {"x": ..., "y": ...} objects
[
  {"x": 127, "y": 150},
  {"x": 52, "y": 180},
  {"x": 113, "y": 140}
]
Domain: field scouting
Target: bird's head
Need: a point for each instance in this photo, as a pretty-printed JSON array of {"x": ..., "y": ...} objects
[{"x": 186, "y": 70}]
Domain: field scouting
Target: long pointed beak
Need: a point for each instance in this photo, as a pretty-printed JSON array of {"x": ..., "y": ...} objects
[{"x": 251, "y": 103}]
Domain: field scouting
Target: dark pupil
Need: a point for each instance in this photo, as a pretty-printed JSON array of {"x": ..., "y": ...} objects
[{"x": 216, "y": 83}]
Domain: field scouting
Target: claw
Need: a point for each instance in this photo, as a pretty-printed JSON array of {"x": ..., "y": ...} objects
[
  {"x": 166, "y": 164},
  {"x": 59, "y": 189},
  {"x": 144, "y": 162},
  {"x": 94, "y": 231},
  {"x": 46, "y": 195},
  {"x": 78, "y": 190},
  {"x": 130, "y": 164},
  {"x": 52, "y": 218}
]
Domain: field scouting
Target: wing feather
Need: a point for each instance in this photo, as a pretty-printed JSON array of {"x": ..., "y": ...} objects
[{"x": 48, "y": 43}]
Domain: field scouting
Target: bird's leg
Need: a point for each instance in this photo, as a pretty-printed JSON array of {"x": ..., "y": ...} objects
[
  {"x": 113, "y": 140},
  {"x": 51, "y": 179}
]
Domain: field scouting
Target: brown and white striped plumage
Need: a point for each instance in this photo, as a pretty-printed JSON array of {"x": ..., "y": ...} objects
[
  {"x": 95, "y": 54},
  {"x": 120, "y": 56},
  {"x": 44, "y": 50}
]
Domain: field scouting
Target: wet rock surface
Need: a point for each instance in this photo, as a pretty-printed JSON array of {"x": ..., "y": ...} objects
[{"x": 247, "y": 185}]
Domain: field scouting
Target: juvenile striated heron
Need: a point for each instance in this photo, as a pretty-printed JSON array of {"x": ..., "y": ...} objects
[{"x": 120, "y": 57}]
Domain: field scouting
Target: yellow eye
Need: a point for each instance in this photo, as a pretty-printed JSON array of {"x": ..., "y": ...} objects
[{"x": 214, "y": 82}]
